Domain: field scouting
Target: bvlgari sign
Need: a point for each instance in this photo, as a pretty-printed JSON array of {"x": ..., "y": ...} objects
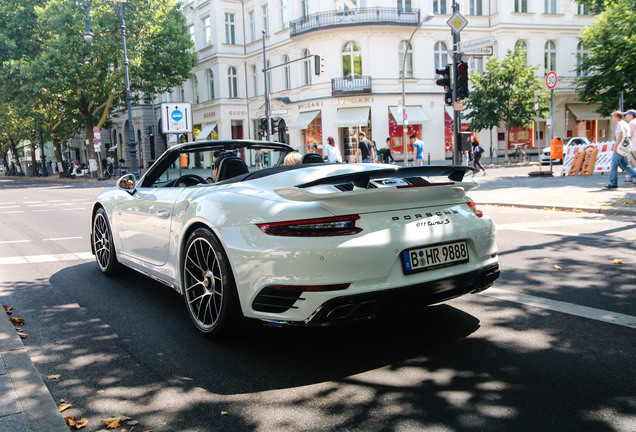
[{"x": 340, "y": 101}]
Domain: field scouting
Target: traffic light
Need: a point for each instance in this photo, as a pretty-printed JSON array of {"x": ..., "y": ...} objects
[
  {"x": 462, "y": 80},
  {"x": 319, "y": 65},
  {"x": 274, "y": 128},
  {"x": 282, "y": 131},
  {"x": 150, "y": 130},
  {"x": 445, "y": 81},
  {"x": 262, "y": 127}
]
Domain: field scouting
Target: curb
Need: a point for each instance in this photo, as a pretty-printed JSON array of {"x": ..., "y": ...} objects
[
  {"x": 27, "y": 404},
  {"x": 614, "y": 211}
]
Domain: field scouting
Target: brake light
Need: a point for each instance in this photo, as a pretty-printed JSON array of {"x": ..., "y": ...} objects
[
  {"x": 309, "y": 288},
  {"x": 320, "y": 227},
  {"x": 473, "y": 207}
]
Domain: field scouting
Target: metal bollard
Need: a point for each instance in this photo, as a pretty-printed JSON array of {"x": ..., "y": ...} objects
[{"x": 429, "y": 158}]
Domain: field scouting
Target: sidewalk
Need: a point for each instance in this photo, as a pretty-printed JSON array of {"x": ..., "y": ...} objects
[
  {"x": 25, "y": 403},
  {"x": 511, "y": 186}
]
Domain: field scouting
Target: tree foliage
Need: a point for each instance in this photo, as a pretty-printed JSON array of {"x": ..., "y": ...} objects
[{"x": 610, "y": 62}]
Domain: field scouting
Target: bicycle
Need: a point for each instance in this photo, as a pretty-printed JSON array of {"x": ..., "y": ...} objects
[{"x": 520, "y": 154}]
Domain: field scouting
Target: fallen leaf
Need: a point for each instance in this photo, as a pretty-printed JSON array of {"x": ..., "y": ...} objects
[
  {"x": 149, "y": 430},
  {"x": 64, "y": 406},
  {"x": 17, "y": 321},
  {"x": 556, "y": 267},
  {"x": 133, "y": 423},
  {"x": 23, "y": 335},
  {"x": 617, "y": 261},
  {"x": 8, "y": 309},
  {"x": 223, "y": 412},
  {"x": 112, "y": 423},
  {"x": 75, "y": 424},
  {"x": 53, "y": 377}
]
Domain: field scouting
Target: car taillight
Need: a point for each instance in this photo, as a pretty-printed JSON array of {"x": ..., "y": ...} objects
[
  {"x": 320, "y": 227},
  {"x": 473, "y": 207}
]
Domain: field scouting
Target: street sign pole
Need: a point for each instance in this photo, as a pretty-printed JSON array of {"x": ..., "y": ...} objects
[
  {"x": 268, "y": 126},
  {"x": 550, "y": 82},
  {"x": 457, "y": 115}
]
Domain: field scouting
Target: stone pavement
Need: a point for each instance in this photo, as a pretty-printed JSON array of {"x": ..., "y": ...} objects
[{"x": 25, "y": 402}]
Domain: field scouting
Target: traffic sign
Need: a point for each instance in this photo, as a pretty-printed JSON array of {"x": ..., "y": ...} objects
[
  {"x": 97, "y": 148},
  {"x": 95, "y": 129},
  {"x": 476, "y": 44},
  {"x": 486, "y": 51},
  {"x": 458, "y": 106},
  {"x": 97, "y": 135},
  {"x": 95, "y": 140},
  {"x": 279, "y": 112},
  {"x": 551, "y": 80},
  {"x": 457, "y": 22},
  {"x": 176, "y": 117}
]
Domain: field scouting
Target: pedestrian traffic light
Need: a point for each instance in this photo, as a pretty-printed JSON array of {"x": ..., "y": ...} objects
[
  {"x": 262, "y": 127},
  {"x": 462, "y": 80},
  {"x": 319, "y": 65}
]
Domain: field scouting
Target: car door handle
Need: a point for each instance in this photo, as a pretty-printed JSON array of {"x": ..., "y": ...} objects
[{"x": 163, "y": 214}]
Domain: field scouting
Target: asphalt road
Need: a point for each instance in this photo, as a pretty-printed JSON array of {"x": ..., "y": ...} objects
[{"x": 545, "y": 349}]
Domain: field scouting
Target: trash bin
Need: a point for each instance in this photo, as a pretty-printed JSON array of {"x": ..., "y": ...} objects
[{"x": 556, "y": 148}]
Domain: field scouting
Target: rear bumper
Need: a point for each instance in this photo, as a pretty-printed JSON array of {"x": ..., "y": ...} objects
[{"x": 364, "y": 306}]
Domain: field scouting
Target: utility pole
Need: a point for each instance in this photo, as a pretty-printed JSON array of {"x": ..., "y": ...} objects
[
  {"x": 267, "y": 128},
  {"x": 457, "y": 115}
]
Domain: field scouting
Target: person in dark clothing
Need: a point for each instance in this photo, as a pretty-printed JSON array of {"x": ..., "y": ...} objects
[
  {"x": 478, "y": 152},
  {"x": 365, "y": 149}
]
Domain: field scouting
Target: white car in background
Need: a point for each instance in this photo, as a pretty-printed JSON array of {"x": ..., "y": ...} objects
[
  {"x": 239, "y": 235},
  {"x": 545, "y": 154}
]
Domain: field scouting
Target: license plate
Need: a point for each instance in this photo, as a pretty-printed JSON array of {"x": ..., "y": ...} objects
[{"x": 434, "y": 257}]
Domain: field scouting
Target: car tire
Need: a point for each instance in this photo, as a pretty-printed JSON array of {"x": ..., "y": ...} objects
[
  {"x": 103, "y": 246},
  {"x": 209, "y": 290}
]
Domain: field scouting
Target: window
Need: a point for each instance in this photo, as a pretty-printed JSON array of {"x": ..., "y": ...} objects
[
  {"x": 306, "y": 68},
  {"x": 232, "y": 82},
  {"x": 408, "y": 67},
  {"x": 583, "y": 9},
  {"x": 476, "y": 7},
  {"x": 351, "y": 60},
  {"x": 404, "y": 5},
  {"x": 210, "y": 85},
  {"x": 440, "y": 7},
  {"x": 230, "y": 37},
  {"x": 207, "y": 32},
  {"x": 304, "y": 8},
  {"x": 252, "y": 24},
  {"x": 191, "y": 31},
  {"x": 181, "y": 93},
  {"x": 195, "y": 90},
  {"x": 550, "y": 57},
  {"x": 550, "y": 6},
  {"x": 269, "y": 77},
  {"x": 521, "y": 6},
  {"x": 581, "y": 53},
  {"x": 347, "y": 5},
  {"x": 265, "y": 12},
  {"x": 521, "y": 45},
  {"x": 286, "y": 71},
  {"x": 284, "y": 20},
  {"x": 254, "y": 81},
  {"x": 441, "y": 55},
  {"x": 477, "y": 64}
]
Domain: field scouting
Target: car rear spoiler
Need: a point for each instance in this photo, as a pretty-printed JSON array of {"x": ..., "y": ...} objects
[{"x": 362, "y": 179}]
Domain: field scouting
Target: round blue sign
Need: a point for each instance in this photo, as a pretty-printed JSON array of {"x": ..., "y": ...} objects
[{"x": 176, "y": 115}]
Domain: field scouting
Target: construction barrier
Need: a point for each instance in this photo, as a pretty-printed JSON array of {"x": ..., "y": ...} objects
[
  {"x": 589, "y": 162},
  {"x": 577, "y": 163},
  {"x": 603, "y": 157}
]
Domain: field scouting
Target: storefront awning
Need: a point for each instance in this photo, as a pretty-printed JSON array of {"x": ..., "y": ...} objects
[
  {"x": 352, "y": 117},
  {"x": 414, "y": 114},
  {"x": 303, "y": 120},
  {"x": 205, "y": 132},
  {"x": 585, "y": 111}
]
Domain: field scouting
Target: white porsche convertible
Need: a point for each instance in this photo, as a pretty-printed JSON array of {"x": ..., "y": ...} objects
[{"x": 239, "y": 234}]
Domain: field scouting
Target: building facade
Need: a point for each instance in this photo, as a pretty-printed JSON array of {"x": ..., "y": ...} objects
[{"x": 362, "y": 44}]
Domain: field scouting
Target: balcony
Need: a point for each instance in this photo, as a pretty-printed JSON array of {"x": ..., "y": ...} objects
[
  {"x": 346, "y": 86},
  {"x": 363, "y": 16}
]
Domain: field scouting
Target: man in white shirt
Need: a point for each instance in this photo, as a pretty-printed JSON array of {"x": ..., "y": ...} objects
[
  {"x": 630, "y": 117},
  {"x": 618, "y": 160}
]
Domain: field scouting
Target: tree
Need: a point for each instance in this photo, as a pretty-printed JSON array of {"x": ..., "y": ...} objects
[
  {"x": 608, "y": 67},
  {"x": 595, "y": 6},
  {"x": 88, "y": 79},
  {"x": 504, "y": 94}
]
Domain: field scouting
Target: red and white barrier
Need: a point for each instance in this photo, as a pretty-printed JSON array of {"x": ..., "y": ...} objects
[{"x": 603, "y": 159}]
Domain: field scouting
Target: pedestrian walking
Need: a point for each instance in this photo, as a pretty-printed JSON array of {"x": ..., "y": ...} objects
[
  {"x": 332, "y": 152},
  {"x": 630, "y": 117},
  {"x": 478, "y": 152},
  {"x": 622, "y": 147},
  {"x": 418, "y": 150},
  {"x": 365, "y": 149}
]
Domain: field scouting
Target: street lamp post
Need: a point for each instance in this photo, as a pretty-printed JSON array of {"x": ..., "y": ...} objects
[
  {"x": 88, "y": 37},
  {"x": 427, "y": 18}
]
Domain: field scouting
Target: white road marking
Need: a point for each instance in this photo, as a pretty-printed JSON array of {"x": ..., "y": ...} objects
[
  {"x": 567, "y": 234},
  {"x": 14, "y": 241},
  {"x": 46, "y": 258},
  {"x": 563, "y": 307},
  {"x": 62, "y": 238}
]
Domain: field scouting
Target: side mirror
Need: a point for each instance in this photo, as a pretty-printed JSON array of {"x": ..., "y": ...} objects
[{"x": 127, "y": 183}]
